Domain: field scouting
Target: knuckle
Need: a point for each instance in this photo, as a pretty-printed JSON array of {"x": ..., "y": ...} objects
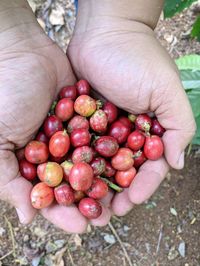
[
  {"x": 8, "y": 167},
  {"x": 4, "y": 194},
  {"x": 194, "y": 128},
  {"x": 191, "y": 129}
]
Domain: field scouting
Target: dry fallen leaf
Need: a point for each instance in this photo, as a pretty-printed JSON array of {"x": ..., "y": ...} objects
[
  {"x": 39, "y": 232},
  {"x": 181, "y": 249},
  {"x": 58, "y": 257},
  {"x": 41, "y": 22},
  {"x": 57, "y": 16},
  {"x": 77, "y": 240},
  {"x": 173, "y": 211},
  {"x": 33, "y": 5}
]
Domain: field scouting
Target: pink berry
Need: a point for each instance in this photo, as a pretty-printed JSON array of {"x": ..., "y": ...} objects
[
  {"x": 77, "y": 122},
  {"x": 98, "y": 165},
  {"x": 66, "y": 166},
  {"x": 106, "y": 146},
  {"x": 111, "y": 111},
  {"x": 126, "y": 122},
  {"x": 83, "y": 87},
  {"x": 143, "y": 122},
  {"x": 139, "y": 158},
  {"x": 119, "y": 131},
  {"x": 64, "y": 109},
  {"x": 125, "y": 178},
  {"x": 98, "y": 189},
  {"x": 123, "y": 159},
  {"x": 68, "y": 92},
  {"x": 136, "y": 140},
  {"x": 59, "y": 144},
  {"x": 81, "y": 176},
  {"x": 42, "y": 196},
  {"x": 109, "y": 171},
  {"x": 85, "y": 105},
  {"x": 153, "y": 147},
  {"x": 52, "y": 124},
  {"x": 50, "y": 173},
  {"x": 156, "y": 128},
  {"x": 82, "y": 154},
  {"x": 42, "y": 137},
  {"x": 64, "y": 194},
  {"x": 36, "y": 152},
  {"x": 80, "y": 137},
  {"x": 99, "y": 121},
  {"x": 27, "y": 170},
  {"x": 90, "y": 208}
]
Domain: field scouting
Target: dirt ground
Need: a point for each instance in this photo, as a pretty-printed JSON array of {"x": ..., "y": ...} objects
[{"x": 163, "y": 231}]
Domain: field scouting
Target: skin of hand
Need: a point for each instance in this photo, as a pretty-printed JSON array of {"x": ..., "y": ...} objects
[
  {"x": 122, "y": 59},
  {"x": 32, "y": 71}
]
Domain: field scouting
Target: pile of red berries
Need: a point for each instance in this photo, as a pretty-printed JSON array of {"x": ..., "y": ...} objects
[{"x": 84, "y": 148}]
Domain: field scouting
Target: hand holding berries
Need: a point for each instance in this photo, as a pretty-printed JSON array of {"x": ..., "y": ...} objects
[{"x": 82, "y": 148}]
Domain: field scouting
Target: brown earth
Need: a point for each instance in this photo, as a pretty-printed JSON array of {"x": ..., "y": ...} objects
[{"x": 163, "y": 231}]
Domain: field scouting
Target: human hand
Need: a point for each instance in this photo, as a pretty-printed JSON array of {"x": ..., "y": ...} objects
[
  {"x": 33, "y": 70},
  {"x": 123, "y": 61}
]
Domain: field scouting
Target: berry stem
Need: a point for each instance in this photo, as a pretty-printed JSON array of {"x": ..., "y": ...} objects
[
  {"x": 99, "y": 104},
  {"x": 132, "y": 117},
  {"x": 112, "y": 185},
  {"x": 137, "y": 154},
  {"x": 147, "y": 127},
  {"x": 53, "y": 107}
]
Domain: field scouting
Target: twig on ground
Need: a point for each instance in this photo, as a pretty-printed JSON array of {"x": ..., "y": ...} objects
[
  {"x": 121, "y": 243},
  {"x": 116, "y": 218},
  {"x": 159, "y": 239},
  {"x": 124, "y": 261},
  {"x": 189, "y": 149},
  {"x": 11, "y": 234},
  {"x": 70, "y": 256},
  {"x": 6, "y": 255}
]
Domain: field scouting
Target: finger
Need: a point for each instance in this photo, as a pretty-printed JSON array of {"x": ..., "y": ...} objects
[
  {"x": 121, "y": 203},
  {"x": 176, "y": 116},
  {"x": 147, "y": 180},
  {"x": 175, "y": 143},
  {"x": 107, "y": 199},
  {"x": 67, "y": 218},
  {"x": 14, "y": 188},
  {"x": 64, "y": 71},
  {"x": 103, "y": 219}
]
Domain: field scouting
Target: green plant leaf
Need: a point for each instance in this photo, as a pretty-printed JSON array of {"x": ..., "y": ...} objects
[
  {"x": 191, "y": 61},
  {"x": 172, "y": 7},
  {"x": 190, "y": 79},
  {"x": 189, "y": 67},
  {"x": 191, "y": 83},
  {"x": 196, "y": 139},
  {"x": 194, "y": 97},
  {"x": 196, "y": 29}
]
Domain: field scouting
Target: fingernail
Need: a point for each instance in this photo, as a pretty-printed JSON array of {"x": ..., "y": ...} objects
[
  {"x": 181, "y": 160},
  {"x": 21, "y": 216}
]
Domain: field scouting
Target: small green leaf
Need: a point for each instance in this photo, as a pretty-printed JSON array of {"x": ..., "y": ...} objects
[
  {"x": 196, "y": 29},
  {"x": 191, "y": 61},
  {"x": 172, "y": 7}
]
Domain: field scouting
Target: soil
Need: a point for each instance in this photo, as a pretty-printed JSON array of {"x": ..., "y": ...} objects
[{"x": 163, "y": 231}]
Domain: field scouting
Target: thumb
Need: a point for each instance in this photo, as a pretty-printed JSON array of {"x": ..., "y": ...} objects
[
  {"x": 175, "y": 114},
  {"x": 63, "y": 69},
  {"x": 15, "y": 189}
]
